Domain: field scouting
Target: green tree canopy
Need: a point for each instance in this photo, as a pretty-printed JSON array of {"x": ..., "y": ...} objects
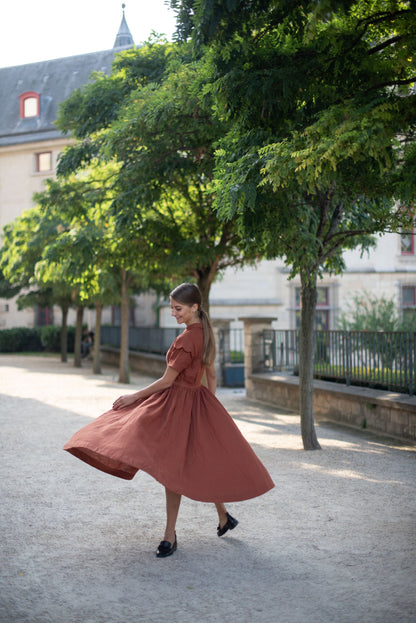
[
  {"x": 321, "y": 101},
  {"x": 163, "y": 134},
  {"x": 24, "y": 242},
  {"x": 89, "y": 254}
]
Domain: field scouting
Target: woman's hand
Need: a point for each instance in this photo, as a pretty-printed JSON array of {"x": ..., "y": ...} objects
[
  {"x": 163, "y": 383},
  {"x": 124, "y": 401}
]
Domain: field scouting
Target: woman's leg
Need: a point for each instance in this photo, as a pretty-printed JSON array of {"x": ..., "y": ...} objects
[
  {"x": 226, "y": 521},
  {"x": 222, "y": 514},
  {"x": 173, "y": 501}
]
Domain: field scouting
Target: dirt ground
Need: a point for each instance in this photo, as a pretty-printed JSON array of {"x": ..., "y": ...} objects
[{"x": 333, "y": 542}]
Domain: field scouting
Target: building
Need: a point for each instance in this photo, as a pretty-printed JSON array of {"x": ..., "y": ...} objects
[
  {"x": 29, "y": 141},
  {"x": 29, "y": 147},
  {"x": 389, "y": 270}
]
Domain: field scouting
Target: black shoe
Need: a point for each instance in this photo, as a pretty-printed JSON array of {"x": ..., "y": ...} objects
[
  {"x": 166, "y": 548},
  {"x": 230, "y": 525}
]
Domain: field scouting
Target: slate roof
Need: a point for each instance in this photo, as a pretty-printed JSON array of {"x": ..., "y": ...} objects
[
  {"x": 54, "y": 80},
  {"x": 124, "y": 37}
]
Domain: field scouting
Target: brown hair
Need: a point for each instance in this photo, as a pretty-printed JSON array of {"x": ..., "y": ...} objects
[{"x": 189, "y": 294}]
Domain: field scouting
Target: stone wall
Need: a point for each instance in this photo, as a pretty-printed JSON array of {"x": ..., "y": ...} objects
[
  {"x": 149, "y": 364},
  {"x": 379, "y": 411}
]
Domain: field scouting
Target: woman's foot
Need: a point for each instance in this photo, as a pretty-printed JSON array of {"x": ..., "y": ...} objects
[
  {"x": 166, "y": 548},
  {"x": 229, "y": 524}
]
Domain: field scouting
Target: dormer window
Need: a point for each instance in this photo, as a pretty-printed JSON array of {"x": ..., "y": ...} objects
[{"x": 29, "y": 105}]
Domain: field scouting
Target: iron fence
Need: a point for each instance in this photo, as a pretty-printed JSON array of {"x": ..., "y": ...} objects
[
  {"x": 231, "y": 357},
  {"x": 231, "y": 345},
  {"x": 378, "y": 359},
  {"x": 146, "y": 339}
]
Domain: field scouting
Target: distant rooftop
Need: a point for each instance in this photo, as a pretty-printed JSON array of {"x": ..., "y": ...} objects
[
  {"x": 54, "y": 81},
  {"x": 124, "y": 38}
]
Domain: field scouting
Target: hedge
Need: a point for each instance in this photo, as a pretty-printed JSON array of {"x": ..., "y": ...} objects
[
  {"x": 35, "y": 339},
  {"x": 51, "y": 338}
]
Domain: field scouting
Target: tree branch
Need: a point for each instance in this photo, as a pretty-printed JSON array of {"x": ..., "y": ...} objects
[{"x": 386, "y": 44}]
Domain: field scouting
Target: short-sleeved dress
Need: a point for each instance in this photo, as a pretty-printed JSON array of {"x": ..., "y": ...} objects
[{"x": 182, "y": 436}]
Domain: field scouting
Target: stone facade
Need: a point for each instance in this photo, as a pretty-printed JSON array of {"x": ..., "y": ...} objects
[
  {"x": 30, "y": 143},
  {"x": 266, "y": 290}
]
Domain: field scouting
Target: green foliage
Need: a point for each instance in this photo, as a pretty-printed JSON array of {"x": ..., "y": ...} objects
[
  {"x": 7, "y": 291},
  {"x": 368, "y": 312},
  {"x": 20, "y": 339},
  {"x": 376, "y": 378},
  {"x": 320, "y": 101},
  {"x": 24, "y": 241},
  {"x": 322, "y": 136},
  {"x": 51, "y": 338},
  {"x": 162, "y": 133},
  {"x": 23, "y": 339}
]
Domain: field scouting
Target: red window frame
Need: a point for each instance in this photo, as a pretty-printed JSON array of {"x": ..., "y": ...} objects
[
  {"x": 23, "y": 97},
  {"x": 37, "y": 159}
]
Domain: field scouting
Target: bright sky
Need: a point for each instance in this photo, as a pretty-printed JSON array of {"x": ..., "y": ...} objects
[{"x": 39, "y": 30}]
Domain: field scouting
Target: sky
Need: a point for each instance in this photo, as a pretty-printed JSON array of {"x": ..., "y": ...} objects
[{"x": 40, "y": 30}]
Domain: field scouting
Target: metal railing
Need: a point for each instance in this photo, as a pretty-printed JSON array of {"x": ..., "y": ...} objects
[
  {"x": 378, "y": 359},
  {"x": 231, "y": 345},
  {"x": 145, "y": 339}
]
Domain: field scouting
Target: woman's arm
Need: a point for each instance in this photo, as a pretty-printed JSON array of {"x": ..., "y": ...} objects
[
  {"x": 211, "y": 378},
  {"x": 163, "y": 383}
]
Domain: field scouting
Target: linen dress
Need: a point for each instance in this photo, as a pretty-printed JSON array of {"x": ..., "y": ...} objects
[{"x": 182, "y": 436}]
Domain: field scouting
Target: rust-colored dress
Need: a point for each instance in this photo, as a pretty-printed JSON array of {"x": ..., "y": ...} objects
[{"x": 182, "y": 436}]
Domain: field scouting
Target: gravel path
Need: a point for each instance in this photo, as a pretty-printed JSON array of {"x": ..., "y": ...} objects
[{"x": 334, "y": 542}]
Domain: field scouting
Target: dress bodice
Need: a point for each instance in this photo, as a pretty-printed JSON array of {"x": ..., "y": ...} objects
[{"x": 185, "y": 355}]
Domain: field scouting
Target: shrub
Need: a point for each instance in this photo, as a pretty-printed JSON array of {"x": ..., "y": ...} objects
[
  {"x": 20, "y": 339},
  {"x": 51, "y": 338},
  {"x": 35, "y": 339}
]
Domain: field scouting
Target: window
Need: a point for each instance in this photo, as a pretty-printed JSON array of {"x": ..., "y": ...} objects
[
  {"x": 29, "y": 105},
  {"x": 43, "y": 316},
  {"x": 409, "y": 301},
  {"x": 43, "y": 161},
  {"x": 407, "y": 243},
  {"x": 322, "y": 309},
  {"x": 116, "y": 316}
]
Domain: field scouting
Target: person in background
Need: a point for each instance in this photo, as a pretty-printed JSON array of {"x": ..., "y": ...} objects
[{"x": 87, "y": 343}]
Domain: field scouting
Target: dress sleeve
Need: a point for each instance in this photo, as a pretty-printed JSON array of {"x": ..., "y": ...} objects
[
  {"x": 180, "y": 355},
  {"x": 179, "y": 358}
]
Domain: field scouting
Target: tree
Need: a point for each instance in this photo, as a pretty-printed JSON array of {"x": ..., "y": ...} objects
[
  {"x": 101, "y": 266},
  {"x": 368, "y": 312},
  {"x": 7, "y": 291},
  {"x": 24, "y": 241},
  {"x": 374, "y": 326},
  {"x": 322, "y": 141},
  {"x": 163, "y": 133}
]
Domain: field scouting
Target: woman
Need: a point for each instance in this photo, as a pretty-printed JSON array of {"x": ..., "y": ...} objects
[{"x": 176, "y": 430}]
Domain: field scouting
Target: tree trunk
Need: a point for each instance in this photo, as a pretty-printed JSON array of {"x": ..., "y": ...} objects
[
  {"x": 308, "y": 306},
  {"x": 205, "y": 279},
  {"x": 64, "y": 333},
  {"x": 78, "y": 337},
  {"x": 96, "y": 362},
  {"x": 124, "y": 369}
]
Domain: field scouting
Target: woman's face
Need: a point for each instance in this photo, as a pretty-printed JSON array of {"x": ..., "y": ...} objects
[{"x": 186, "y": 314}]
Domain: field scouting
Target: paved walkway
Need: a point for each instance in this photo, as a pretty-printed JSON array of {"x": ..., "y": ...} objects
[{"x": 334, "y": 542}]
